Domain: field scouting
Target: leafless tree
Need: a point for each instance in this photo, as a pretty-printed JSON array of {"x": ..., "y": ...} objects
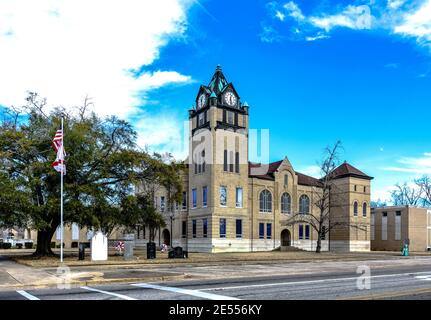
[
  {"x": 322, "y": 197},
  {"x": 424, "y": 185},
  {"x": 405, "y": 194}
]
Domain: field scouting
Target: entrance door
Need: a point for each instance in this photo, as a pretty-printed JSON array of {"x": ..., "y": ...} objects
[
  {"x": 285, "y": 238},
  {"x": 166, "y": 237}
]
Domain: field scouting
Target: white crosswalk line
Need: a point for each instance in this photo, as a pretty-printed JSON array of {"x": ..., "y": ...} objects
[
  {"x": 195, "y": 293},
  {"x": 121, "y": 296},
  {"x": 27, "y": 295}
]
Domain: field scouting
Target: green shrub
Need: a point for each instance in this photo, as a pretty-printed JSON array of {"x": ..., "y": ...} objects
[{"x": 7, "y": 245}]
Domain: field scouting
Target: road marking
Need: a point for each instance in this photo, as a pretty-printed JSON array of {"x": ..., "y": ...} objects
[
  {"x": 427, "y": 277},
  {"x": 311, "y": 281},
  {"x": 27, "y": 295},
  {"x": 195, "y": 293},
  {"x": 122, "y": 296}
]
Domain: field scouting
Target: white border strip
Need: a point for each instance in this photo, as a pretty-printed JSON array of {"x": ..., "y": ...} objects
[
  {"x": 195, "y": 293},
  {"x": 122, "y": 296},
  {"x": 27, "y": 295}
]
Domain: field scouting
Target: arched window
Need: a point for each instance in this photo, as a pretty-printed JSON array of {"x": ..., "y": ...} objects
[
  {"x": 355, "y": 209},
  {"x": 364, "y": 209},
  {"x": 285, "y": 203},
  {"x": 304, "y": 204},
  {"x": 265, "y": 201}
]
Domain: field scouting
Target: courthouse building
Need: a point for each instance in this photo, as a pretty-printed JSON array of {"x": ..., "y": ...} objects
[
  {"x": 233, "y": 205},
  {"x": 230, "y": 204}
]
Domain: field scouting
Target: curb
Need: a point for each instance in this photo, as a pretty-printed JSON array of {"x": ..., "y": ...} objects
[{"x": 78, "y": 283}]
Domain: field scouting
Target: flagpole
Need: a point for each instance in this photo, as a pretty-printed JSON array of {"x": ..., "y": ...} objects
[{"x": 61, "y": 196}]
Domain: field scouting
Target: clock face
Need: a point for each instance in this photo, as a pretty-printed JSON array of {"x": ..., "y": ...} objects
[
  {"x": 230, "y": 99},
  {"x": 202, "y": 101}
]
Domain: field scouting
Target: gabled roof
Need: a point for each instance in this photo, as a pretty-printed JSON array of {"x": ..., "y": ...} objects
[
  {"x": 273, "y": 166},
  {"x": 347, "y": 170},
  {"x": 305, "y": 180}
]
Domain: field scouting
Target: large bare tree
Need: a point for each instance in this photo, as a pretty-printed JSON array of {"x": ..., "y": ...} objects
[{"x": 322, "y": 198}]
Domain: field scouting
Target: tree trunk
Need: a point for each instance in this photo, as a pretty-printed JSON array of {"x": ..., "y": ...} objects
[
  {"x": 319, "y": 242},
  {"x": 43, "y": 247}
]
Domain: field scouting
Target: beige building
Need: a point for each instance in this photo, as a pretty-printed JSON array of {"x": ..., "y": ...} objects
[
  {"x": 231, "y": 204},
  {"x": 391, "y": 226}
]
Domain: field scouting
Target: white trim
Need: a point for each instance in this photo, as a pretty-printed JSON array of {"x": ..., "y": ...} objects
[
  {"x": 109, "y": 293},
  {"x": 27, "y": 295},
  {"x": 195, "y": 293}
]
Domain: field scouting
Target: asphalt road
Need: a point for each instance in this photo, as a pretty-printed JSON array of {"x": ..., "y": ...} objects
[{"x": 393, "y": 280}]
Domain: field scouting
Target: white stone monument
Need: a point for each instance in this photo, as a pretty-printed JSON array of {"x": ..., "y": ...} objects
[{"x": 99, "y": 247}]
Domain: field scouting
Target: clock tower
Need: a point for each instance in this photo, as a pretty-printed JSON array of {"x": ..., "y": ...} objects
[{"x": 218, "y": 218}]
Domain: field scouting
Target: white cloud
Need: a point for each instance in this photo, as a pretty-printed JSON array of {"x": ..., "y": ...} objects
[
  {"x": 269, "y": 34},
  {"x": 318, "y": 36},
  {"x": 417, "y": 24},
  {"x": 163, "y": 133},
  {"x": 280, "y": 15},
  {"x": 353, "y": 17},
  {"x": 415, "y": 165},
  {"x": 313, "y": 171},
  {"x": 395, "y": 4},
  {"x": 65, "y": 50},
  {"x": 293, "y": 10}
]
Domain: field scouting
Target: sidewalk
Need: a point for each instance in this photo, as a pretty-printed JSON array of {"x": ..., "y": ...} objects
[
  {"x": 71, "y": 259},
  {"x": 14, "y": 276}
]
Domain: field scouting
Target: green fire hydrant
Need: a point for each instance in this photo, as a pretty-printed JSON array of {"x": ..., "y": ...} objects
[{"x": 405, "y": 251}]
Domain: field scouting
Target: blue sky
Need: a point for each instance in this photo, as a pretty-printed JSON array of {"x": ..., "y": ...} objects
[{"x": 312, "y": 72}]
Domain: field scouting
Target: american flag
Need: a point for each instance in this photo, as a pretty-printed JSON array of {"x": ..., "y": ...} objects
[{"x": 57, "y": 143}]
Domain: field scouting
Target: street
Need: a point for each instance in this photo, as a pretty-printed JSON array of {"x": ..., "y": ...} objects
[{"x": 389, "y": 279}]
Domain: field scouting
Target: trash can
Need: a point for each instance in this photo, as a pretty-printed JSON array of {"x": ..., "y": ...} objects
[
  {"x": 81, "y": 251},
  {"x": 151, "y": 250}
]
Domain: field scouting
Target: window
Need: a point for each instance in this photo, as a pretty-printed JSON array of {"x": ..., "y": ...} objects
[
  {"x": 203, "y": 160},
  {"x": 265, "y": 201},
  {"x": 204, "y": 196},
  {"x": 304, "y": 204},
  {"x": 238, "y": 228},
  {"x": 194, "y": 198},
  {"x": 184, "y": 229},
  {"x": 237, "y": 162},
  {"x": 365, "y": 189},
  {"x": 184, "y": 204},
  {"x": 231, "y": 161},
  {"x": 301, "y": 232},
  {"x": 268, "y": 230},
  {"x": 261, "y": 231},
  {"x": 285, "y": 203},
  {"x": 238, "y": 197},
  {"x": 355, "y": 187},
  {"x": 223, "y": 196},
  {"x": 384, "y": 226},
  {"x": 205, "y": 228},
  {"x": 225, "y": 161},
  {"x": 162, "y": 204},
  {"x": 201, "y": 119},
  {"x": 222, "y": 228},
  {"x": 355, "y": 209},
  {"x": 307, "y": 232},
  {"x": 230, "y": 117},
  {"x": 286, "y": 180},
  {"x": 398, "y": 225},
  {"x": 364, "y": 209},
  {"x": 194, "y": 228}
]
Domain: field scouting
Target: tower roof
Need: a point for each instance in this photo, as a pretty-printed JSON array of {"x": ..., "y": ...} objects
[
  {"x": 347, "y": 170},
  {"x": 218, "y": 81}
]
